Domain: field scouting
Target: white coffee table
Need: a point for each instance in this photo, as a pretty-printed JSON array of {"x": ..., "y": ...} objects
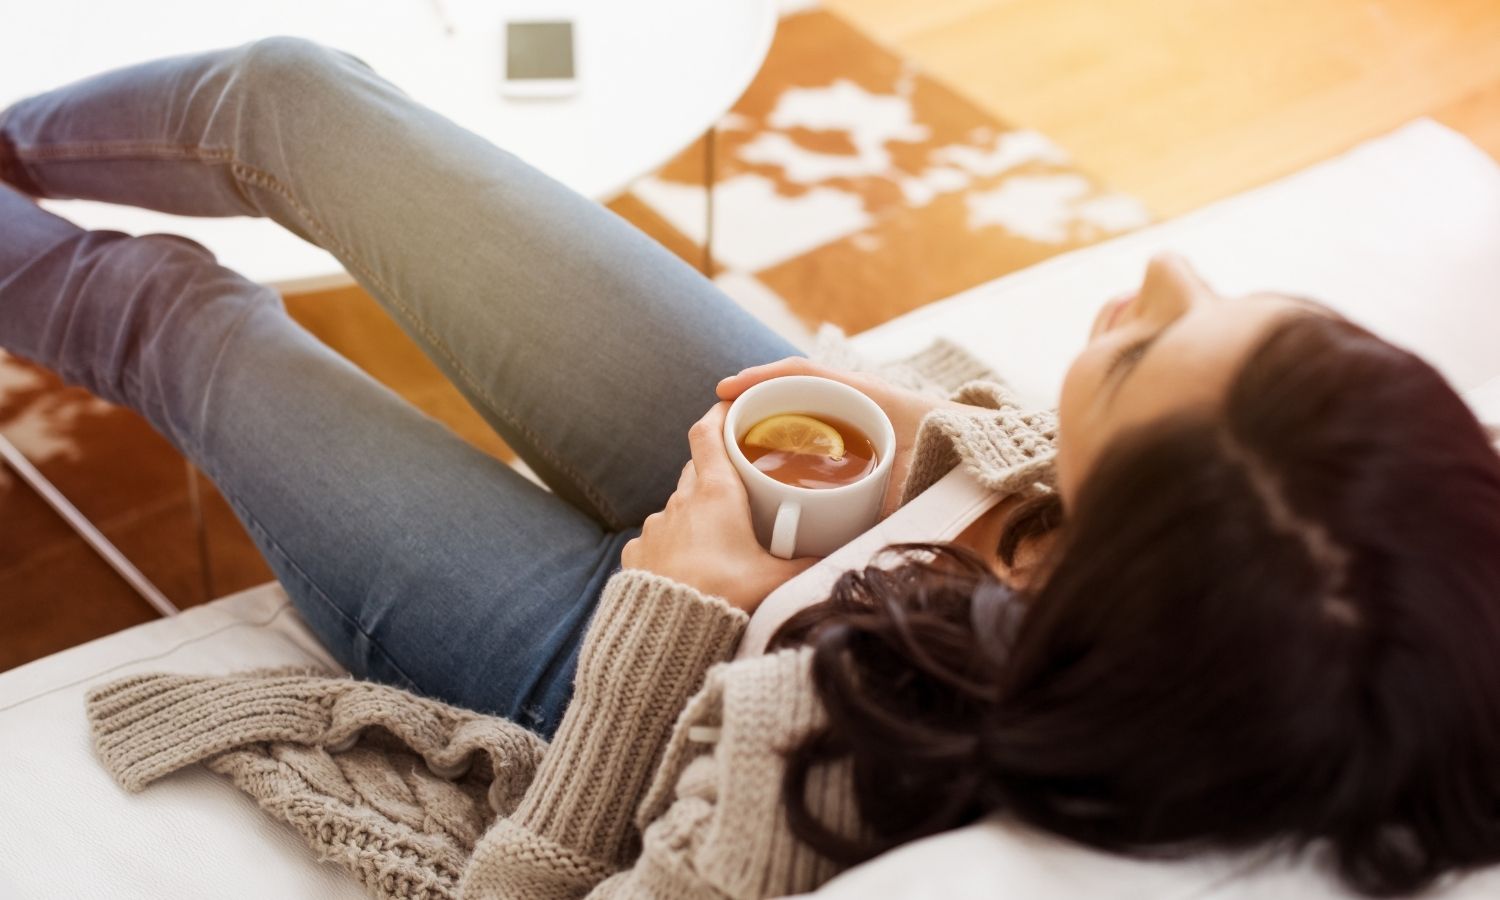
[{"x": 655, "y": 74}]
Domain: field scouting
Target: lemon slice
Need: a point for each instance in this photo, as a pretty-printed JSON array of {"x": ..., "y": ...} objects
[{"x": 796, "y": 433}]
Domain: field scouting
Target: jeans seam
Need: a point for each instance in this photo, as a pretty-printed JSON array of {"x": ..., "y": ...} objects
[
  {"x": 121, "y": 149},
  {"x": 266, "y": 180},
  {"x": 246, "y": 174}
]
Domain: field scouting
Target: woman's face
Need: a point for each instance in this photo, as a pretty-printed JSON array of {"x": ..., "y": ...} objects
[{"x": 1171, "y": 346}]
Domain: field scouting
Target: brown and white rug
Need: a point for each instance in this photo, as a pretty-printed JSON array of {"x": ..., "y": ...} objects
[{"x": 850, "y": 188}]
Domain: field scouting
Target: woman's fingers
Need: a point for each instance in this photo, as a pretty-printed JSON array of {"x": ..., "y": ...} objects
[
  {"x": 736, "y": 384},
  {"x": 710, "y": 457},
  {"x": 705, "y": 538}
]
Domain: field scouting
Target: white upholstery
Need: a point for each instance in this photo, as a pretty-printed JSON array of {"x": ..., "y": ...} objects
[
  {"x": 994, "y": 860},
  {"x": 1400, "y": 234},
  {"x": 68, "y": 831}
]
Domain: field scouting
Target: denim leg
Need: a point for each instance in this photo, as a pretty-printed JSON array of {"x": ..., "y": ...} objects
[
  {"x": 584, "y": 343},
  {"x": 416, "y": 559}
]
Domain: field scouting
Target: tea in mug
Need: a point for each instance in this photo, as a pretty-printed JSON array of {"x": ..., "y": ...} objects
[{"x": 809, "y": 451}]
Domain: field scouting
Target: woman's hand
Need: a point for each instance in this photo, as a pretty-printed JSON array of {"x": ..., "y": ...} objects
[
  {"x": 704, "y": 537},
  {"x": 905, "y": 408}
]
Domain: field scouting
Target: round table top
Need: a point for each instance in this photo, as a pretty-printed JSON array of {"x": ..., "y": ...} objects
[{"x": 653, "y": 76}]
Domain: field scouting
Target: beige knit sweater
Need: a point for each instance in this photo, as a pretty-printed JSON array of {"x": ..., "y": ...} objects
[{"x": 662, "y": 781}]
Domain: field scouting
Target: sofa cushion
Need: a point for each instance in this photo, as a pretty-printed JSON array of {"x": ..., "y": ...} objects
[
  {"x": 69, "y": 831},
  {"x": 999, "y": 859}
]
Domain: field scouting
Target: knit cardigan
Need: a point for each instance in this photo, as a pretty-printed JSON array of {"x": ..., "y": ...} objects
[{"x": 663, "y": 780}]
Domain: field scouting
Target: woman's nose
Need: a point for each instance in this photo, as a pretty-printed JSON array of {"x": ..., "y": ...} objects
[{"x": 1172, "y": 287}]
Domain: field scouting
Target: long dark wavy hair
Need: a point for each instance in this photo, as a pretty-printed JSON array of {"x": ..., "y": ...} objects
[{"x": 1272, "y": 623}]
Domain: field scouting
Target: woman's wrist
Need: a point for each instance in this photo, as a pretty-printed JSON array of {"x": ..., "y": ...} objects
[{"x": 642, "y": 613}]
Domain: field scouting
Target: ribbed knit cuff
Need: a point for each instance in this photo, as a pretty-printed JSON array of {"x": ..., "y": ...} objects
[
  {"x": 646, "y": 652},
  {"x": 510, "y": 861},
  {"x": 146, "y": 726}
]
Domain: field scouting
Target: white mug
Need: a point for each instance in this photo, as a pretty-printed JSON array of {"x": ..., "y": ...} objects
[{"x": 795, "y": 521}]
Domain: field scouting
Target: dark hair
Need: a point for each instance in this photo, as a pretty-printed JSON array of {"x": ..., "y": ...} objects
[{"x": 1274, "y": 622}]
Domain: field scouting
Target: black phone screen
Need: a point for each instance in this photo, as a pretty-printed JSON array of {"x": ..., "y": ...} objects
[{"x": 538, "y": 50}]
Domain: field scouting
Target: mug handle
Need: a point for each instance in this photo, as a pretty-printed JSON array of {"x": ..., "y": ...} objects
[{"x": 784, "y": 530}]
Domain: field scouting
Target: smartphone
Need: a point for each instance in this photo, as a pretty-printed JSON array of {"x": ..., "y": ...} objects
[{"x": 539, "y": 58}]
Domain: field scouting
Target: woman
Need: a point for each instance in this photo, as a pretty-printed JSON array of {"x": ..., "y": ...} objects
[{"x": 1267, "y": 614}]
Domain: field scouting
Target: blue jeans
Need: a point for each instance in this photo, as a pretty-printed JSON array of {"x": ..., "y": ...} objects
[{"x": 417, "y": 560}]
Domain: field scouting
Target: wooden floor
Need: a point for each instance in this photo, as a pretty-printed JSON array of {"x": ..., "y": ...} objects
[
  {"x": 1176, "y": 102},
  {"x": 1183, "y": 102}
]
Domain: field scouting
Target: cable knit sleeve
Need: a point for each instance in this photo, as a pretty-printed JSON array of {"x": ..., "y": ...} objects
[
  {"x": 647, "y": 650},
  {"x": 715, "y": 827},
  {"x": 1006, "y": 447}
]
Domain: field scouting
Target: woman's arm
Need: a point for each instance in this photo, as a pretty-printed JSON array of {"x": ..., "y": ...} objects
[
  {"x": 648, "y": 647},
  {"x": 679, "y": 606}
]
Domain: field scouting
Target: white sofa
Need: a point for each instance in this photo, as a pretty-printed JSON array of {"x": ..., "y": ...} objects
[{"x": 1403, "y": 233}]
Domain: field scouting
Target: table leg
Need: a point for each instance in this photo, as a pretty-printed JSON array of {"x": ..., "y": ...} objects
[
  {"x": 101, "y": 545},
  {"x": 710, "y": 140}
]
